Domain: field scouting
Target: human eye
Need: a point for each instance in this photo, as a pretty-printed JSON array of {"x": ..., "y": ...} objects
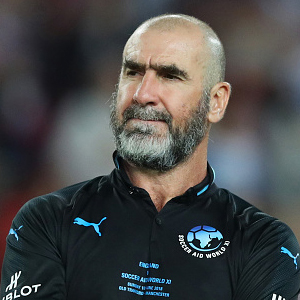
[
  {"x": 171, "y": 77},
  {"x": 132, "y": 68},
  {"x": 171, "y": 73},
  {"x": 132, "y": 72}
]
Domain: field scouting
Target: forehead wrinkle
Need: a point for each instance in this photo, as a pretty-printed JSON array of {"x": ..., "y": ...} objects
[{"x": 139, "y": 40}]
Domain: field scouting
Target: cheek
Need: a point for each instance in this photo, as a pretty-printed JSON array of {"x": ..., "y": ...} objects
[
  {"x": 178, "y": 109},
  {"x": 128, "y": 87},
  {"x": 124, "y": 99},
  {"x": 182, "y": 112}
]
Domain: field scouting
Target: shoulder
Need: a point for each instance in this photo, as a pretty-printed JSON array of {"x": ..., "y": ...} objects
[
  {"x": 253, "y": 227},
  {"x": 41, "y": 218},
  {"x": 54, "y": 204},
  {"x": 243, "y": 212}
]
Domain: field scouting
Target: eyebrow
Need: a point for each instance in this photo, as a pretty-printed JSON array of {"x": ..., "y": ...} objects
[
  {"x": 173, "y": 70},
  {"x": 133, "y": 65},
  {"x": 161, "y": 69}
]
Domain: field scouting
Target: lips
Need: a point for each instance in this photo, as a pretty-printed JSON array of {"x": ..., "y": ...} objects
[
  {"x": 147, "y": 114},
  {"x": 144, "y": 123},
  {"x": 146, "y": 120}
]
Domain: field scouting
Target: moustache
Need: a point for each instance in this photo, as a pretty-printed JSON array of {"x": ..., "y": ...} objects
[{"x": 146, "y": 114}]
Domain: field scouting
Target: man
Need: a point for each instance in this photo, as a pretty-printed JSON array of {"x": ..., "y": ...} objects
[{"x": 157, "y": 226}]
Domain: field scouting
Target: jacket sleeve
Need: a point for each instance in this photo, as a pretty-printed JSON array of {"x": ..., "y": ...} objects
[
  {"x": 32, "y": 265},
  {"x": 271, "y": 270}
]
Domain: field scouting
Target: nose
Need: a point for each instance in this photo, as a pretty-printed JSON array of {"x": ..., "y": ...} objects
[{"x": 147, "y": 92}]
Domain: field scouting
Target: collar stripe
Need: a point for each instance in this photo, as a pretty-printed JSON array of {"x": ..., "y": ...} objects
[{"x": 203, "y": 190}]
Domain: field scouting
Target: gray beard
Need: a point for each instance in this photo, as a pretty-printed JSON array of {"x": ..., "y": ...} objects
[{"x": 145, "y": 147}]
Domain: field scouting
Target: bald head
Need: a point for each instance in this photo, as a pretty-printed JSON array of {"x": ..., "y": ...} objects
[{"x": 215, "y": 63}]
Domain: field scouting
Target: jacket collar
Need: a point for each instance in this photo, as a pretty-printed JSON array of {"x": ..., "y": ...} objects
[{"x": 206, "y": 184}]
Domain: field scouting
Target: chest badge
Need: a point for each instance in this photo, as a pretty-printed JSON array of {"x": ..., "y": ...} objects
[{"x": 203, "y": 242}]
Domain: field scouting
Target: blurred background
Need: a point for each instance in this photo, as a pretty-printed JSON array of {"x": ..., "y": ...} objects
[{"x": 59, "y": 63}]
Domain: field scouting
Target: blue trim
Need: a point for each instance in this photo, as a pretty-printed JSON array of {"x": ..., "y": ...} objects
[
  {"x": 203, "y": 190},
  {"x": 207, "y": 186},
  {"x": 117, "y": 162}
]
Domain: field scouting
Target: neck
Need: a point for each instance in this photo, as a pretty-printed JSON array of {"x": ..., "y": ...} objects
[{"x": 163, "y": 186}]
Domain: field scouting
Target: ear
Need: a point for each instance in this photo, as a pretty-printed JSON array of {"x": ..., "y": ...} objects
[{"x": 219, "y": 96}]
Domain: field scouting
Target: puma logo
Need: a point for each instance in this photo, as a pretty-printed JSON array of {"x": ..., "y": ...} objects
[
  {"x": 96, "y": 227},
  {"x": 14, "y": 232},
  {"x": 288, "y": 252}
]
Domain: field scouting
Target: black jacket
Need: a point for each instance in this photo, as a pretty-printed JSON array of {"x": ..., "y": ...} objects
[{"x": 104, "y": 239}]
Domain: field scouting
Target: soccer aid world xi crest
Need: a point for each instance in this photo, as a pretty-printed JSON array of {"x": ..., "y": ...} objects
[{"x": 203, "y": 242}]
